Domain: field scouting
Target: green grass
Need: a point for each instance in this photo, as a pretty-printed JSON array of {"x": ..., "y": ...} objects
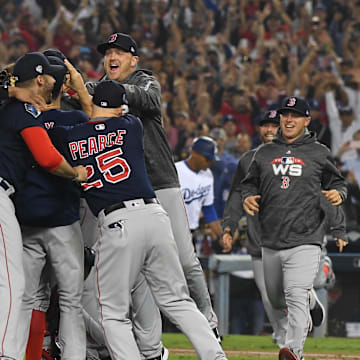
[{"x": 264, "y": 343}]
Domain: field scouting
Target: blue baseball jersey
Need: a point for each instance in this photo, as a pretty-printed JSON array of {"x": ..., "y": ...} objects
[
  {"x": 47, "y": 200},
  {"x": 15, "y": 156},
  {"x": 112, "y": 149}
]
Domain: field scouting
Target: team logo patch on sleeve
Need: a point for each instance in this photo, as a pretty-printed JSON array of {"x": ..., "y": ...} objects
[{"x": 30, "y": 108}]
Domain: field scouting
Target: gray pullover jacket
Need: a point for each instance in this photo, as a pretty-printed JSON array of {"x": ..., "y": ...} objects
[
  {"x": 143, "y": 93},
  {"x": 289, "y": 177}
]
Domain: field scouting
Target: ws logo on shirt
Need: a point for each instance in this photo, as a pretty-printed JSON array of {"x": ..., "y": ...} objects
[{"x": 287, "y": 165}]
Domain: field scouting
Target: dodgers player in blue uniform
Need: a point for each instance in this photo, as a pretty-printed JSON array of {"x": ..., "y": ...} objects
[
  {"x": 48, "y": 211},
  {"x": 197, "y": 185},
  {"x": 135, "y": 231},
  {"x": 22, "y": 138}
]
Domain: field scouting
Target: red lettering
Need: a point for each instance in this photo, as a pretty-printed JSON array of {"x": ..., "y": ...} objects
[
  {"x": 73, "y": 146},
  {"x": 92, "y": 146}
]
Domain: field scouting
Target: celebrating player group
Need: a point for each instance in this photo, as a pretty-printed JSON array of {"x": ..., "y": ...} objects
[{"x": 101, "y": 181}]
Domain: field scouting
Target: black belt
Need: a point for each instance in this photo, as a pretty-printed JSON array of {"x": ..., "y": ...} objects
[{"x": 122, "y": 205}]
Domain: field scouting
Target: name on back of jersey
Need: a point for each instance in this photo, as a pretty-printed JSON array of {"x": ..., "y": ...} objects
[{"x": 84, "y": 148}]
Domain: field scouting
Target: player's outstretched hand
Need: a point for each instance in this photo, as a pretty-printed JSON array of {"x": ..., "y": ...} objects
[
  {"x": 28, "y": 96},
  {"x": 82, "y": 175},
  {"x": 340, "y": 243},
  {"x": 333, "y": 196},
  {"x": 251, "y": 204}
]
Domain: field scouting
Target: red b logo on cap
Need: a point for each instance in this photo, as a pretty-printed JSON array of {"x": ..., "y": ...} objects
[
  {"x": 272, "y": 114},
  {"x": 112, "y": 38},
  {"x": 292, "y": 102}
]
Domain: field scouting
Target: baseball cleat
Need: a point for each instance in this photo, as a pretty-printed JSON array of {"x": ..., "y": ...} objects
[
  {"x": 318, "y": 312},
  {"x": 164, "y": 354},
  {"x": 287, "y": 354}
]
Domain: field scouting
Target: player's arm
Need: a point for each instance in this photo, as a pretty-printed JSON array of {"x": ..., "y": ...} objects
[
  {"x": 233, "y": 209},
  {"x": 335, "y": 218},
  {"x": 45, "y": 154},
  {"x": 212, "y": 220},
  {"x": 333, "y": 183},
  {"x": 27, "y": 95},
  {"x": 145, "y": 95},
  {"x": 76, "y": 83},
  {"x": 249, "y": 189}
]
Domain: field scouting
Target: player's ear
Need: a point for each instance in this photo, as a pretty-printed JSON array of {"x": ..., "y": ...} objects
[
  {"x": 40, "y": 80},
  {"x": 134, "y": 60}
]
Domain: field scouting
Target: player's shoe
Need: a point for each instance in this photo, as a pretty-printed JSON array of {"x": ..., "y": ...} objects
[
  {"x": 217, "y": 335},
  {"x": 318, "y": 312},
  {"x": 287, "y": 354}
]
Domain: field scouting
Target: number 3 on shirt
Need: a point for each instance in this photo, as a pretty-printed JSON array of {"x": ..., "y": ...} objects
[
  {"x": 106, "y": 163},
  {"x": 285, "y": 182}
]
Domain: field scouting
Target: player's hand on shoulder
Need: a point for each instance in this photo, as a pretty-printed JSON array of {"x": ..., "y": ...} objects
[
  {"x": 28, "y": 96},
  {"x": 251, "y": 204},
  {"x": 340, "y": 243},
  {"x": 82, "y": 174},
  {"x": 333, "y": 196}
]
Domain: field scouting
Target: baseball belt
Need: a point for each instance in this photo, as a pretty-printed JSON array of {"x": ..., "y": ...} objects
[
  {"x": 122, "y": 205},
  {"x": 9, "y": 189}
]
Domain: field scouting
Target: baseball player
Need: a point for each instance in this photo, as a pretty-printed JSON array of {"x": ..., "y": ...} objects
[
  {"x": 268, "y": 127},
  {"x": 143, "y": 93},
  {"x": 22, "y": 136},
  {"x": 197, "y": 184},
  {"x": 48, "y": 211},
  {"x": 135, "y": 232},
  {"x": 284, "y": 183}
]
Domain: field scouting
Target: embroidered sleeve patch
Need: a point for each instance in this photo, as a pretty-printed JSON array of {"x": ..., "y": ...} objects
[{"x": 30, "y": 108}]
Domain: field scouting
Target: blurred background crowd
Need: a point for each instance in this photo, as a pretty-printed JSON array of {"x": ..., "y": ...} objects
[{"x": 221, "y": 64}]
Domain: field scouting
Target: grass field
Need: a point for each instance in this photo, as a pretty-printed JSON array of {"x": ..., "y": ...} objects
[{"x": 251, "y": 347}]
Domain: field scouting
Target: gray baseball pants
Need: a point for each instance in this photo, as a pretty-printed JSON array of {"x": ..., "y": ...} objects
[
  {"x": 145, "y": 314},
  {"x": 63, "y": 248},
  {"x": 289, "y": 277},
  {"x": 173, "y": 203},
  {"x": 278, "y": 318},
  {"x": 137, "y": 239},
  {"x": 12, "y": 280}
]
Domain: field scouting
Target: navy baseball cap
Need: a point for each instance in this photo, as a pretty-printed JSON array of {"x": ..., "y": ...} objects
[
  {"x": 54, "y": 52},
  {"x": 205, "y": 146},
  {"x": 31, "y": 65},
  {"x": 60, "y": 77},
  {"x": 109, "y": 94},
  {"x": 119, "y": 40},
  {"x": 271, "y": 116},
  {"x": 296, "y": 104}
]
